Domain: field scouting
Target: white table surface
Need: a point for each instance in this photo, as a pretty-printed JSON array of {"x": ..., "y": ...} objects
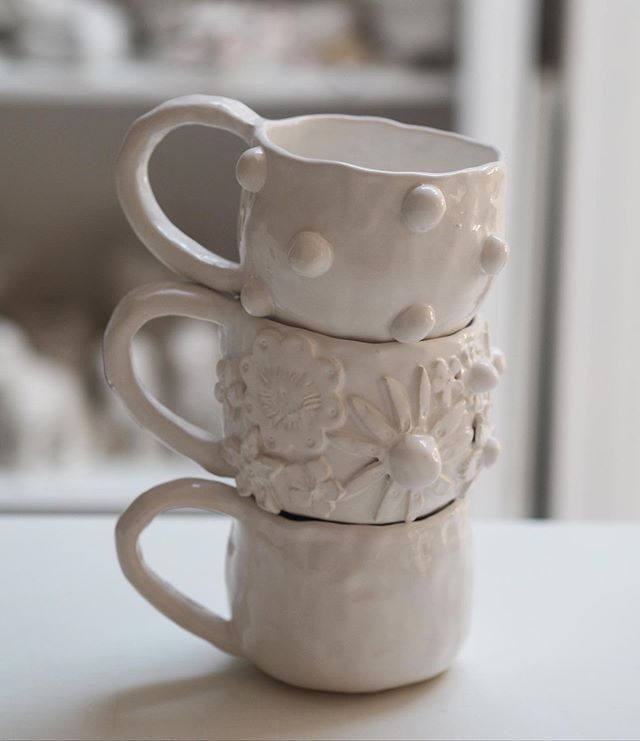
[{"x": 554, "y": 651}]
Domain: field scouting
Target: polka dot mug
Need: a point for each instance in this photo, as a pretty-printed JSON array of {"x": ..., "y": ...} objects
[{"x": 356, "y": 227}]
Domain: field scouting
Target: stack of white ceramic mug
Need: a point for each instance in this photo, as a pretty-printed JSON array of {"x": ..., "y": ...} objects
[{"x": 355, "y": 384}]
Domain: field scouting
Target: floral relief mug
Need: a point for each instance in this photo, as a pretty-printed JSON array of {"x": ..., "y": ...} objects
[
  {"x": 319, "y": 426},
  {"x": 317, "y": 604},
  {"x": 352, "y": 226}
]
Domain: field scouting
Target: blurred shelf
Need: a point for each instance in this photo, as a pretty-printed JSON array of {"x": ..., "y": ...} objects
[
  {"x": 121, "y": 83},
  {"x": 103, "y": 488}
]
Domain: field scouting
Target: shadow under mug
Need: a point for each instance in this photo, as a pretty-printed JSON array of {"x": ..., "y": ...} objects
[
  {"x": 343, "y": 608},
  {"x": 318, "y": 426},
  {"x": 352, "y": 226}
]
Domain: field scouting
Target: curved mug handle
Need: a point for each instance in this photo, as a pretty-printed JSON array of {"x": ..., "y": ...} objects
[
  {"x": 155, "y": 230},
  {"x": 211, "y": 496},
  {"x": 132, "y": 313}
]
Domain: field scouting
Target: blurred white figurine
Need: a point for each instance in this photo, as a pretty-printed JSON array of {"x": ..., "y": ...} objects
[
  {"x": 44, "y": 417},
  {"x": 71, "y": 29}
]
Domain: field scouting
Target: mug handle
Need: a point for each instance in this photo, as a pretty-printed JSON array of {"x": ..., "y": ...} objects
[
  {"x": 211, "y": 496},
  {"x": 132, "y": 313},
  {"x": 155, "y": 230}
]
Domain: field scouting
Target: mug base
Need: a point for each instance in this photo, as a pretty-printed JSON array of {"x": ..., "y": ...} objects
[{"x": 362, "y": 687}]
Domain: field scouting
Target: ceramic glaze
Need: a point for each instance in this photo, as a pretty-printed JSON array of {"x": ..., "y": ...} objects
[
  {"x": 320, "y": 426},
  {"x": 351, "y": 226},
  {"x": 344, "y": 608}
]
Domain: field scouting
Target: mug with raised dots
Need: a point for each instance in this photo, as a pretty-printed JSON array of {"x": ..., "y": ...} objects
[
  {"x": 352, "y": 226},
  {"x": 319, "y": 426}
]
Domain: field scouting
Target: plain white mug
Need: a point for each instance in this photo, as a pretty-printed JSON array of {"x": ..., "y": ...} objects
[{"x": 344, "y": 608}]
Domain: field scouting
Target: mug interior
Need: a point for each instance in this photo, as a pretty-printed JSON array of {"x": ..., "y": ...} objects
[{"x": 376, "y": 144}]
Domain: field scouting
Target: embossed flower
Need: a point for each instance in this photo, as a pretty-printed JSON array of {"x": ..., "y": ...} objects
[
  {"x": 291, "y": 392},
  {"x": 413, "y": 458},
  {"x": 480, "y": 372},
  {"x": 230, "y": 388},
  {"x": 314, "y": 484},
  {"x": 485, "y": 450},
  {"x": 255, "y": 473},
  {"x": 447, "y": 379}
]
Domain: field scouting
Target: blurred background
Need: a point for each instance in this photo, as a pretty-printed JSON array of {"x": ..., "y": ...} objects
[{"x": 551, "y": 82}]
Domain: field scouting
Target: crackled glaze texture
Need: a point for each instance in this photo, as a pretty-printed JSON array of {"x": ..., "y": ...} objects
[
  {"x": 320, "y": 426},
  {"x": 344, "y": 608},
  {"x": 351, "y": 226}
]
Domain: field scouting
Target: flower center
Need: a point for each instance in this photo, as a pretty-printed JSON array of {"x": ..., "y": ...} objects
[{"x": 414, "y": 461}]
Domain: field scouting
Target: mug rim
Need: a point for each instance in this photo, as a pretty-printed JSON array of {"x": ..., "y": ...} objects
[
  {"x": 452, "y": 508},
  {"x": 264, "y": 127},
  {"x": 475, "y": 324}
]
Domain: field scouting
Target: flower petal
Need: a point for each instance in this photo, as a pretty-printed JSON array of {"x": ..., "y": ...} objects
[
  {"x": 356, "y": 445},
  {"x": 415, "y": 502},
  {"x": 267, "y": 468},
  {"x": 318, "y": 469},
  {"x": 372, "y": 420},
  {"x": 389, "y": 490},
  {"x": 424, "y": 397},
  {"x": 329, "y": 491},
  {"x": 250, "y": 446},
  {"x": 267, "y": 500},
  {"x": 456, "y": 444},
  {"x": 365, "y": 477},
  {"x": 449, "y": 422},
  {"x": 400, "y": 401}
]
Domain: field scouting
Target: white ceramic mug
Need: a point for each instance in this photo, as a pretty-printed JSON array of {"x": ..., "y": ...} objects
[
  {"x": 319, "y": 426},
  {"x": 345, "y": 608},
  {"x": 351, "y": 226}
]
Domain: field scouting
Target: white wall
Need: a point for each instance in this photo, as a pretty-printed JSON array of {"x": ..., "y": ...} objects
[{"x": 596, "y": 442}]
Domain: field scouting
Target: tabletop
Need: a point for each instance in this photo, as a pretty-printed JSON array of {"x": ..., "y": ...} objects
[{"x": 554, "y": 651}]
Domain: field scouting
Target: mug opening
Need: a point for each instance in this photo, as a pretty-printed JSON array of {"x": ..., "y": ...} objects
[{"x": 375, "y": 144}]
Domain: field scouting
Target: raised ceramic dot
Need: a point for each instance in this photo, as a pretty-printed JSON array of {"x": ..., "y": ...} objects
[
  {"x": 423, "y": 207},
  {"x": 310, "y": 255},
  {"x": 481, "y": 377},
  {"x": 251, "y": 169},
  {"x": 413, "y": 324},
  {"x": 414, "y": 461},
  {"x": 499, "y": 361},
  {"x": 491, "y": 451},
  {"x": 256, "y": 299},
  {"x": 310, "y": 442},
  {"x": 495, "y": 252}
]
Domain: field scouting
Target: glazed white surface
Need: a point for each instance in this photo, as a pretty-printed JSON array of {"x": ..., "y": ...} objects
[
  {"x": 552, "y": 654},
  {"x": 324, "y": 427},
  {"x": 326, "y": 606},
  {"x": 400, "y": 221}
]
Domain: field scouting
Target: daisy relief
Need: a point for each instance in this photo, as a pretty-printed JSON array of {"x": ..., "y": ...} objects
[{"x": 414, "y": 457}]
